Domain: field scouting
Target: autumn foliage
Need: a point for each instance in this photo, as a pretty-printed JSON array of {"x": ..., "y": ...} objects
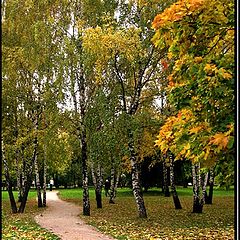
[
  {"x": 176, "y": 12},
  {"x": 199, "y": 36}
]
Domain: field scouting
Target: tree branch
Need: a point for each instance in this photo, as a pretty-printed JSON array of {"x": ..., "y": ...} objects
[{"x": 119, "y": 77}]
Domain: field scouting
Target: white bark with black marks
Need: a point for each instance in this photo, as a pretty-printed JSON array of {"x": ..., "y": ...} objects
[
  {"x": 86, "y": 202},
  {"x": 165, "y": 179},
  {"x": 137, "y": 191},
  {"x": 9, "y": 182},
  {"x": 98, "y": 183},
  {"x": 112, "y": 180},
  {"x": 44, "y": 175},
  {"x": 93, "y": 175},
  {"x": 113, "y": 184},
  {"x": 176, "y": 200},
  {"x": 197, "y": 200},
  {"x": 204, "y": 187},
  {"x": 38, "y": 185},
  {"x": 19, "y": 178}
]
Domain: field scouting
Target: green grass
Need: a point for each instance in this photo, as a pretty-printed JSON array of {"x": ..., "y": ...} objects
[
  {"x": 31, "y": 195},
  {"x": 121, "y": 219},
  {"x": 76, "y": 193},
  {"x": 164, "y": 222},
  {"x": 23, "y": 226}
]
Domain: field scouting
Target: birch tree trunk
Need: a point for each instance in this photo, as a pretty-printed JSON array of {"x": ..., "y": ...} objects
[
  {"x": 112, "y": 181},
  {"x": 137, "y": 191},
  {"x": 113, "y": 185},
  {"x": 209, "y": 197},
  {"x": 165, "y": 179},
  {"x": 98, "y": 183},
  {"x": 9, "y": 184},
  {"x": 197, "y": 202},
  {"x": 26, "y": 189},
  {"x": 172, "y": 182},
  {"x": 38, "y": 185},
  {"x": 86, "y": 202},
  {"x": 28, "y": 175},
  {"x": 204, "y": 188},
  {"x": 44, "y": 176},
  {"x": 116, "y": 183},
  {"x": 19, "y": 179},
  {"x": 93, "y": 175}
]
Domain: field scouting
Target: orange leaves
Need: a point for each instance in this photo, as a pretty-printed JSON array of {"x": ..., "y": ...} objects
[
  {"x": 179, "y": 115},
  {"x": 223, "y": 140},
  {"x": 200, "y": 127},
  {"x": 220, "y": 140},
  {"x": 172, "y": 130},
  {"x": 211, "y": 69},
  {"x": 176, "y": 12},
  {"x": 222, "y": 72},
  {"x": 195, "y": 130},
  {"x": 200, "y": 78},
  {"x": 188, "y": 138},
  {"x": 186, "y": 113},
  {"x": 170, "y": 81},
  {"x": 164, "y": 64},
  {"x": 165, "y": 137}
]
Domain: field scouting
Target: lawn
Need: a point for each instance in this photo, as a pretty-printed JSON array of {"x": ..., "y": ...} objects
[
  {"x": 164, "y": 222},
  {"x": 23, "y": 226},
  {"x": 120, "y": 219}
]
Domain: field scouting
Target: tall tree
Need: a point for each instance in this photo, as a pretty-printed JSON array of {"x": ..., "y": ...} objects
[
  {"x": 123, "y": 53},
  {"x": 77, "y": 71},
  {"x": 29, "y": 45},
  {"x": 199, "y": 36}
]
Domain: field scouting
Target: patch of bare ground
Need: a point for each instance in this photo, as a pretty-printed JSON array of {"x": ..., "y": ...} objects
[{"x": 62, "y": 218}]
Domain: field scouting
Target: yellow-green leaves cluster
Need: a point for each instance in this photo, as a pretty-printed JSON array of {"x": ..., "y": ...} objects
[
  {"x": 106, "y": 44},
  {"x": 188, "y": 138}
]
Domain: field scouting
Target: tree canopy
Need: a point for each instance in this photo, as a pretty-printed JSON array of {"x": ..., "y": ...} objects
[{"x": 199, "y": 36}]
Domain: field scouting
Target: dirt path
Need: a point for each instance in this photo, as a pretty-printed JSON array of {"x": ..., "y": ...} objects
[{"x": 61, "y": 218}]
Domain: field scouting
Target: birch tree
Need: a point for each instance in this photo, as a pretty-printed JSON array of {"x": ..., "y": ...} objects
[
  {"x": 124, "y": 52},
  {"x": 29, "y": 45}
]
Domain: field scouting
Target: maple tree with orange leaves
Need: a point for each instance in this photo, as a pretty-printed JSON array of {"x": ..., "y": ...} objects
[
  {"x": 199, "y": 36},
  {"x": 200, "y": 83}
]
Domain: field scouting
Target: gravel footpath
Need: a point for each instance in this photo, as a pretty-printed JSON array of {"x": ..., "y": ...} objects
[{"x": 62, "y": 219}]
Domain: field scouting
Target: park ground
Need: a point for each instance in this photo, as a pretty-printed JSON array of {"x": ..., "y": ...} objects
[{"x": 120, "y": 219}]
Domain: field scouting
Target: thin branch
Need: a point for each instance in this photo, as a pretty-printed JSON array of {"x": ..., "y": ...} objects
[
  {"x": 121, "y": 82},
  {"x": 151, "y": 72},
  {"x": 220, "y": 38}
]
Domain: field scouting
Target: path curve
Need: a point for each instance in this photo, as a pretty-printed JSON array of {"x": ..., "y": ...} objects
[{"x": 62, "y": 219}]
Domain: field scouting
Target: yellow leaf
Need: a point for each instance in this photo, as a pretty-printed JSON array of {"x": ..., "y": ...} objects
[
  {"x": 195, "y": 129},
  {"x": 209, "y": 68},
  {"x": 220, "y": 140},
  {"x": 222, "y": 72},
  {"x": 207, "y": 152},
  {"x": 198, "y": 59}
]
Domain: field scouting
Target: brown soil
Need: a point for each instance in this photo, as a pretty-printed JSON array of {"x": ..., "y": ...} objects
[{"x": 62, "y": 219}]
